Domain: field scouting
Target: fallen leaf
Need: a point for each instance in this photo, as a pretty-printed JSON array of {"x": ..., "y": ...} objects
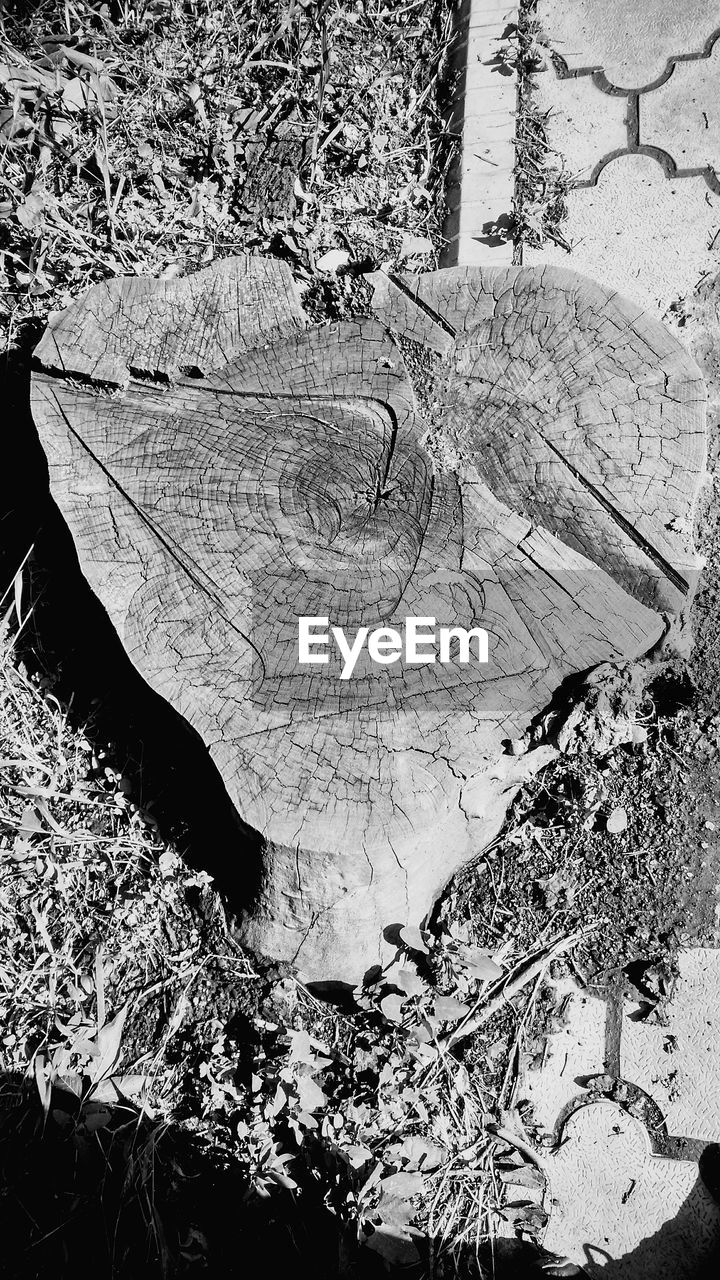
[
  {"x": 357, "y": 1155},
  {"x": 412, "y": 245},
  {"x": 393, "y": 1246},
  {"x": 479, "y": 964},
  {"x": 304, "y": 1049},
  {"x": 310, "y": 1095},
  {"x": 107, "y": 1045},
  {"x": 403, "y": 1184},
  {"x": 115, "y": 1088},
  {"x": 278, "y": 1102},
  {"x": 30, "y": 821},
  {"x": 527, "y": 1175},
  {"x": 95, "y": 1117},
  {"x": 411, "y": 983},
  {"x": 75, "y": 95},
  {"x": 21, "y": 849},
  {"x": 42, "y": 1081},
  {"x": 462, "y": 1081},
  {"x": 300, "y": 194},
  {"x": 418, "y": 1151},
  {"x": 617, "y": 821}
]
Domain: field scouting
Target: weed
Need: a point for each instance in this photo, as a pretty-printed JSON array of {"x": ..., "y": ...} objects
[{"x": 541, "y": 178}]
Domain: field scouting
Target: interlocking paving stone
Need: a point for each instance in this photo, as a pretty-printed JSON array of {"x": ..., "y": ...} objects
[
  {"x": 682, "y": 116},
  {"x": 574, "y": 1049},
  {"x": 678, "y": 1063},
  {"x": 650, "y": 237},
  {"x": 612, "y": 1197},
  {"x": 620, "y": 1210},
  {"x": 631, "y": 40},
  {"x": 582, "y": 124},
  {"x": 622, "y": 1207}
]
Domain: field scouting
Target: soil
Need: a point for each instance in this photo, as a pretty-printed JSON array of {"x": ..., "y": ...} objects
[{"x": 650, "y": 887}]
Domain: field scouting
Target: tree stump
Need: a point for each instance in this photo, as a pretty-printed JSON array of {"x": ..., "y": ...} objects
[{"x": 516, "y": 449}]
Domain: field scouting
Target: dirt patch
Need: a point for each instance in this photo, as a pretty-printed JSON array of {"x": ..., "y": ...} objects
[{"x": 649, "y": 886}]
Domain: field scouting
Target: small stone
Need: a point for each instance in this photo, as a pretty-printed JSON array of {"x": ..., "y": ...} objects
[{"x": 333, "y": 260}]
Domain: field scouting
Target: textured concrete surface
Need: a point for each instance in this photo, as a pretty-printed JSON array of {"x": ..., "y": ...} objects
[
  {"x": 626, "y": 1197},
  {"x": 590, "y": 122},
  {"x": 570, "y": 104},
  {"x": 623, "y": 1200},
  {"x": 682, "y": 116},
  {"x": 630, "y": 40},
  {"x": 625, "y": 88},
  {"x": 621, "y": 1211},
  {"x": 574, "y": 1050},
  {"x": 678, "y": 1062},
  {"x": 650, "y": 237}
]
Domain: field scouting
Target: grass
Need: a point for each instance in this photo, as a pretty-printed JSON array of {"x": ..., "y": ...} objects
[
  {"x": 134, "y": 136},
  {"x": 87, "y": 896},
  {"x": 139, "y": 1044},
  {"x": 143, "y": 1050},
  {"x": 542, "y": 181}
]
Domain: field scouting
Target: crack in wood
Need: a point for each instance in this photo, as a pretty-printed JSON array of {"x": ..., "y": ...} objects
[{"x": 210, "y": 513}]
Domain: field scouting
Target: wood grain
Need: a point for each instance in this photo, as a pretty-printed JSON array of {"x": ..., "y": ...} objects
[{"x": 545, "y": 492}]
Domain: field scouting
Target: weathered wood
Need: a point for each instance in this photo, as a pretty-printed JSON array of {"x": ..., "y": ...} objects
[
  {"x": 273, "y": 166},
  {"x": 550, "y": 500}
]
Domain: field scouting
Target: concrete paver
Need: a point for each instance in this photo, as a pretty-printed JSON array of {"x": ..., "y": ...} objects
[
  {"x": 682, "y": 116},
  {"x": 621, "y": 1211},
  {"x": 631, "y": 40},
  {"x": 650, "y": 237},
  {"x": 678, "y": 1063},
  {"x": 620, "y": 1203},
  {"x": 480, "y": 198},
  {"x": 570, "y": 105}
]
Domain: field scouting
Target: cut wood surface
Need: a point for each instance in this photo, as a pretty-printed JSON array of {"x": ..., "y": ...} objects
[{"x": 225, "y": 469}]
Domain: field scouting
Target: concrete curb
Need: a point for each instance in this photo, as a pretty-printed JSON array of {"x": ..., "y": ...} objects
[{"x": 480, "y": 194}]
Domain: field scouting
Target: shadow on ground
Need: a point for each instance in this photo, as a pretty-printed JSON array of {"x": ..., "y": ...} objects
[
  {"x": 68, "y": 634},
  {"x": 675, "y": 1249},
  {"x": 98, "y": 1190},
  {"x": 101, "y": 1190},
  {"x": 93, "y": 1190}
]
